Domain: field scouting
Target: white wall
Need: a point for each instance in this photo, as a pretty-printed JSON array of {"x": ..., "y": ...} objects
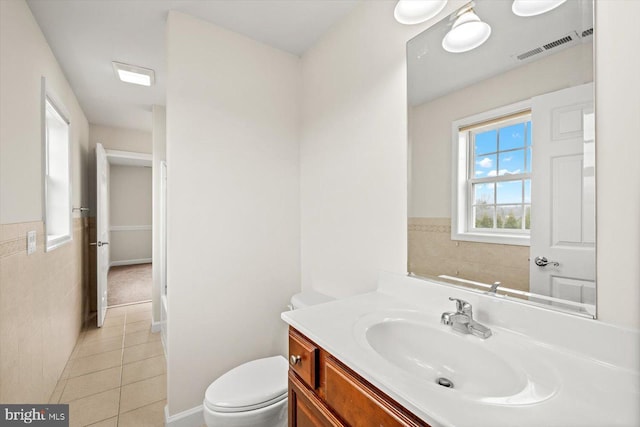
[
  {"x": 430, "y": 123},
  {"x": 42, "y": 295},
  {"x": 233, "y": 195},
  {"x": 26, "y": 57},
  {"x": 354, "y": 151},
  {"x": 113, "y": 138},
  {"x": 159, "y": 137},
  {"x": 130, "y": 206},
  {"x": 618, "y": 151}
]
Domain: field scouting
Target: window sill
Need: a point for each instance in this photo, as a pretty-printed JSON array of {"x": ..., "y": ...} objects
[
  {"x": 55, "y": 241},
  {"x": 500, "y": 239}
]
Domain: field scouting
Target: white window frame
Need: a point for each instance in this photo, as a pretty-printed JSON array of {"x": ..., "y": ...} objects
[
  {"x": 52, "y": 242},
  {"x": 461, "y": 200}
]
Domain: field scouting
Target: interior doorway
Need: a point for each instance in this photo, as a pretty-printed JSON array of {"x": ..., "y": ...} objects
[
  {"x": 127, "y": 218},
  {"x": 130, "y": 228},
  {"x": 129, "y": 284}
]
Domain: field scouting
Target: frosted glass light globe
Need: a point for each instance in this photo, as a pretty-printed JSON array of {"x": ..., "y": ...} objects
[
  {"x": 411, "y": 12},
  {"x": 467, "y": 33}
]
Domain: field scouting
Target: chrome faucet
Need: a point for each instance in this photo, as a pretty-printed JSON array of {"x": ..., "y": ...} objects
[{"x": 462, "y": 320}]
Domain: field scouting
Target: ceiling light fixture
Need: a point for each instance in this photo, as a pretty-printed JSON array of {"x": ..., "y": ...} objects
[
  {"x": 134, "y": 74},
  {"x": 534, "y": 7},
  {"x": 411, "y": 12},
  {"x": 467, "y": 33}
]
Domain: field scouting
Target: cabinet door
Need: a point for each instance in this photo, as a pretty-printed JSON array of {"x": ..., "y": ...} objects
[{"x": 306, "y": 409}]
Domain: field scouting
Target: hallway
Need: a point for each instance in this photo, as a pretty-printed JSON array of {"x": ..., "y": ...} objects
[
  {"x": 116, "y": 375},
  {"x": 129, "y": 284}
]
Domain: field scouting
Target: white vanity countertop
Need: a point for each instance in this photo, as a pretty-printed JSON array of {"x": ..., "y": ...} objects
[{"x": 591, "y": 379}]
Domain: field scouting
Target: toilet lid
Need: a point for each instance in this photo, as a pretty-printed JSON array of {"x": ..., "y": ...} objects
[{"x": 250, "y": 386}]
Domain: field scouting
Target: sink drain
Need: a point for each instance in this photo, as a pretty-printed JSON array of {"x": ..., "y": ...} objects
[{"x": 445, "y": 382}]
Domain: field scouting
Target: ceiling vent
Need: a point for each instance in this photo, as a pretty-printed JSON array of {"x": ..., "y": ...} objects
[
  {"x": 564, "y": 41},
  {"x": 532, "y": 52},
  {"x": 587, "y": 33},
  {"x": 556, "y": 43}
]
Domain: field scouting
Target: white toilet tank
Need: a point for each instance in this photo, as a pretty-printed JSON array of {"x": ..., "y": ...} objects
[{"x": 308, "y": 298}]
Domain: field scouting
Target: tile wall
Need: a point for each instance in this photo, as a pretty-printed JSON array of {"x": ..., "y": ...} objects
[
  {"x": 432, "y": 253},
  {"x": 42, "y": 307}
]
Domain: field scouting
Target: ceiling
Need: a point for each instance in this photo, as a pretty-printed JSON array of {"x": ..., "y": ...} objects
[
  {"x": 434, "y": 72},
  {"x": 86, "y": 36}
]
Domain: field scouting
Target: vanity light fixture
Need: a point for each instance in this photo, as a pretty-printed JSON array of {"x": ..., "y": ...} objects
[
  {"x": 411, "y": 12},
  {"x": 467, "y": 33},
  {"x": 134, "y": 74},
  {"x": 534, "y": 7}
]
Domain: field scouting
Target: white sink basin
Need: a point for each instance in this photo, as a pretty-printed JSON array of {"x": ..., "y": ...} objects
[{"x": 492, "y": 370}]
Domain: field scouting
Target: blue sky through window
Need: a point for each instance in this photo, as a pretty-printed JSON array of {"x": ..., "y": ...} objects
[
  {"x": 512, "y": 137},
  {"x": 504, "y": 151},
  {"x": 486, "y": 142}
]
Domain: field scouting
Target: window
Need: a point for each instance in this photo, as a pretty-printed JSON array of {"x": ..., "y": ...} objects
[
  {"x": 492, "y": 177},
  {"x": 57, "y": 176}
]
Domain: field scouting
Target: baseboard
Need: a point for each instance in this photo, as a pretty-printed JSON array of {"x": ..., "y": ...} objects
[
  {"x": 155, "y": 326},
  {"x": 130, "y": 262},
  {"x": 190, "y": 418}
]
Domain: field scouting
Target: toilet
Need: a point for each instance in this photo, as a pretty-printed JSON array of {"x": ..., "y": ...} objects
[{"x": 254, "y": 394}]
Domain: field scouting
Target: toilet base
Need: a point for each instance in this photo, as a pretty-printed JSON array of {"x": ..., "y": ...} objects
[{"x": 274, "y": 415}]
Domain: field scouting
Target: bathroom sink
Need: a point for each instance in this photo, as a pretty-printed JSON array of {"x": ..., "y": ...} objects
[{"x": 486, "y": 370}]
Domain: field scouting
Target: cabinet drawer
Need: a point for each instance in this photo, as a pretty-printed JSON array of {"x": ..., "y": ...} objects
[
  {"x": 357, "y": 403},
  {"x": 303, "y": 358}
]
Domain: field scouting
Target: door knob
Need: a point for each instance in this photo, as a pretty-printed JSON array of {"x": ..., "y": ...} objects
[
  {"x": 542, "y": 261},
  {"x": 99, "y": 244}
]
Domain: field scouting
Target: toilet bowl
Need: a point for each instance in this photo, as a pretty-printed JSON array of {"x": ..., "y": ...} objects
[{"x": 254, "y": 394}]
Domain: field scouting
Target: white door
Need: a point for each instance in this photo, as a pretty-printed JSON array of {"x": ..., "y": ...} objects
[
  {"x": 563, "y": 195},
  {"x": 102, "y": 230}
]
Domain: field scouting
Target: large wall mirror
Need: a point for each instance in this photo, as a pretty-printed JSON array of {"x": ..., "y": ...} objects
[{"x": 502, "y": 156}]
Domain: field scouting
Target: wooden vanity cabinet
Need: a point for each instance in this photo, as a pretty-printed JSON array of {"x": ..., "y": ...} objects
[{"x": 323, "y": 392}]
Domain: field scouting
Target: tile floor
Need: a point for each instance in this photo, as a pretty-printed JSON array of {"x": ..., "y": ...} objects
[{"x": 116, "y": 375}]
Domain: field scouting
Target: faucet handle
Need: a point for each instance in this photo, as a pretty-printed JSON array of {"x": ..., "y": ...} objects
[{"x": 462, "y": 306}]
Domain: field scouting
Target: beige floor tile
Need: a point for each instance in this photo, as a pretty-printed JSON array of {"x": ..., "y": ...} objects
[
  {"x": 142, "y": 325},
  {"x": 146, "y": 306},
  {"x": 142, "y": 393},
  {"x": 111, "y": 321},
  {"x": 96, "y": 362},
  {"x": 57, "y": 392},
  {"x": 117, "y": 311},
  {"x": 77, "y": 346},
  {"x": 95, "y": 334},
  {"x": 142, "y": 351},
  {"x": 67, "y": 369},
  {"x": 92, "y": 409},
  {"x": 89, "y": 384},
  {"x": 99, "y": 346},
  {"x": 111, "y": 422},
  {"x": 140, "y": 337},
  {"x": 143, "y": 369},
  {"x": 147, "y": 416},
  {"x": 138, "y": 316}
]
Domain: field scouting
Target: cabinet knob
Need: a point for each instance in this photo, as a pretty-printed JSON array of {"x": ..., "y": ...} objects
[{"x": 294, "y": 360}]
